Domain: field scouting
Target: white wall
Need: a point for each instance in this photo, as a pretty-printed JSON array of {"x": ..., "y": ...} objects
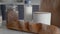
[{"x": 37, "y": 2}]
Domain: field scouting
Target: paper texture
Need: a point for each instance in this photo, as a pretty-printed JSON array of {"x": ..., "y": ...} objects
[{"x": 42, "y": 17}]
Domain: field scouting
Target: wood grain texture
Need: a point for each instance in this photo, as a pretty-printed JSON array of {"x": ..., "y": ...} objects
[{"x": 52, "y": 6}]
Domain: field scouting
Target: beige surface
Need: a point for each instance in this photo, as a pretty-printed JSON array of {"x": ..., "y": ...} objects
[
  {"x": 6, "y": 31},
  {"x": 0, "y": 19}
]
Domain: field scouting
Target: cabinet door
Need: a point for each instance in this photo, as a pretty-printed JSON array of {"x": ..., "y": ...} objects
[{"x": 52, "y": 6}]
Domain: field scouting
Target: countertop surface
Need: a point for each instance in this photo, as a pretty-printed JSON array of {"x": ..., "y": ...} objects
[
  {"x": 7, "y": 31},
  {"x": 4, "y": 30}
]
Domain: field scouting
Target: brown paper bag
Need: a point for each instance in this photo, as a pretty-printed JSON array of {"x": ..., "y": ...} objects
[{"x": 12, "y": 20}]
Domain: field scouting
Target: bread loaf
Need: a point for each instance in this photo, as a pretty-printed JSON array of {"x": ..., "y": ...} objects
[
  {"x": 35, "y": 27},
  {"x": 12, "y": 20},
  {"x": 50, "y": 30},
  {"x": 53, "y": 29},
  {"x": 26, "y": 27},
  {"x": 13, "y": 23}
]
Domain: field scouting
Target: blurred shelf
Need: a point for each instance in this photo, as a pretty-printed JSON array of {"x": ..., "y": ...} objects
[
  {"x": 1, "y": 3},
  {"x": 12, "y": 3},
  {"x": 36, "y": 2}
]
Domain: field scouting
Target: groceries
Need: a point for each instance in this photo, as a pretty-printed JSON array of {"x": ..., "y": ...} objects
[
  {"x": 26, "y": 27},
  {"x": 42, "y": 17},
  {"x": 35, "y": 27},
  {"x": 12, "y": 18}
]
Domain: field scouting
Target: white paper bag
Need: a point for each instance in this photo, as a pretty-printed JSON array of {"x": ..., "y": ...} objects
[
  {"x": 42, "y": 17},
  {"x": 0, "y": 21}
]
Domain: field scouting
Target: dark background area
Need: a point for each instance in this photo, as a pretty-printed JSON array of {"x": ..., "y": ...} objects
[{"x": 20, "y": 9}]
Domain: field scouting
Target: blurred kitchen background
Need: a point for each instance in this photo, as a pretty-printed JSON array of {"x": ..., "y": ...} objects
[{"x": 35, "y": 5}]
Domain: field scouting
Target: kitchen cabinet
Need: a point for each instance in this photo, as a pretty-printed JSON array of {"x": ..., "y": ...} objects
[{"x": 52, "y": 6}]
